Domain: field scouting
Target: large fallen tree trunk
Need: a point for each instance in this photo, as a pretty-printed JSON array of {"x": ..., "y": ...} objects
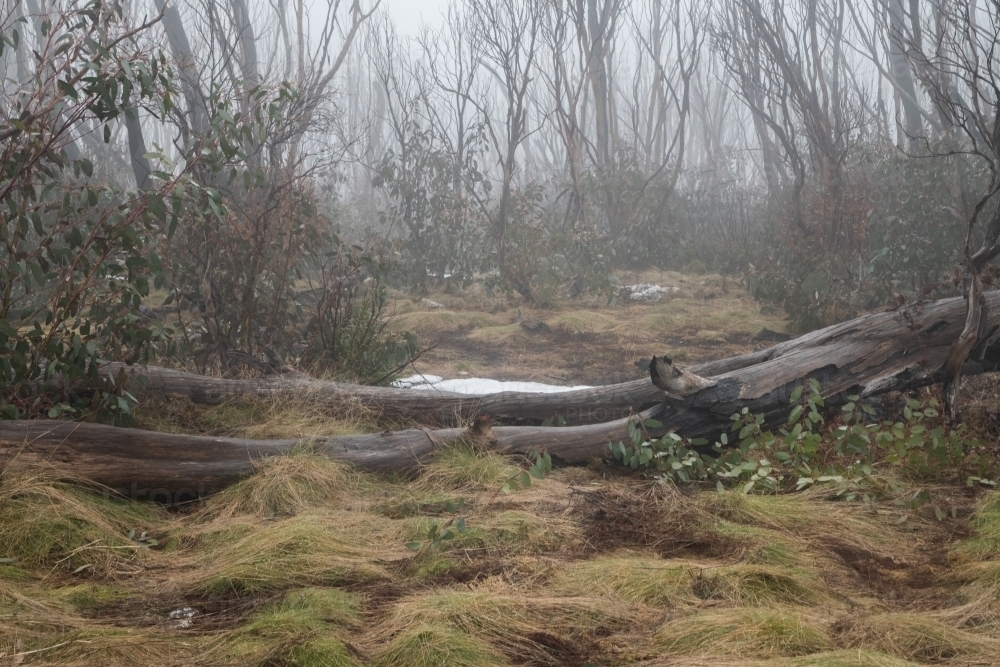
[
  {"x": 584, "y": 406},
  {"x": 173, "y": 468},
  {"x": 891, "y": 351}
]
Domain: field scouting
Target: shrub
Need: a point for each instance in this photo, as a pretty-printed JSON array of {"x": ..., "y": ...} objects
[{"x": 77, "y": 255}]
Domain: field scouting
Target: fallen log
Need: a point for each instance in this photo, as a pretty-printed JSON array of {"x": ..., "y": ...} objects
[
  {"x": 173, "y": 468},
  {"x": 893, "y": 350},
  {"x": 582, "y": 406},
  {"x": 898, "y": 350}
]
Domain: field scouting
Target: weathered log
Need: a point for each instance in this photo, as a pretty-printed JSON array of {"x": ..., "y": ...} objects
[
  {"x": 890, "y": 351},
  {"x": 584, "y": 406},
  {"x": 893, "y": 350},
  {"x": 173, "y": 468},
  {"x": 897, "y": 350}
]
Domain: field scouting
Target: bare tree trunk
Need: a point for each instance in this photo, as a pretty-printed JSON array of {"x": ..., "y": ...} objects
[
  {"x": 137, "y": 148},
  {"x": 197, "y": 111},
  {"x": 597, "y": 23},
  {"x": 903, "y": 78},
  {"x": 249, "y": 65}
]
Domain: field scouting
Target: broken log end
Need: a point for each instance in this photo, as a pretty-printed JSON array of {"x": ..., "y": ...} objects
[{"x": 675, "y": 380}]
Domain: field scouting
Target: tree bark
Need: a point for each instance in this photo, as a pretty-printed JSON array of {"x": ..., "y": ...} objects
[
  {"x": 137, "y": 148},
  {"x": 903, "y": 78}
]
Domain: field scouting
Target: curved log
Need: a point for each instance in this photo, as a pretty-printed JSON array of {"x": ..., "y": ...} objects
[{"x": 879, "y": 352}]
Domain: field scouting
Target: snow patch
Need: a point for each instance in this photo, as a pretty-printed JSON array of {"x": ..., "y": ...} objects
[
  {"x": 478, "y": 385},
  {"x": 647, "y": 292},
  {"x": 183, "y": 616}
]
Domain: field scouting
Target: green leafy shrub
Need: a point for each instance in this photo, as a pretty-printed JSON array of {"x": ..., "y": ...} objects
[
  {"x": 77, "y": 255},
  {"x": 798, "y": 456}
]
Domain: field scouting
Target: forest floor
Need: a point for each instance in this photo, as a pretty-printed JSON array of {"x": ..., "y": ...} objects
[
  {"x": 585, "y": 340},
  {"x": 307, "y": 563}
]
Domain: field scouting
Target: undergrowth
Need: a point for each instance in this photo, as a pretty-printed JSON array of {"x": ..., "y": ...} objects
[
  {"x": 848, "y": 453},
  {"x": 512, "y": 562}
]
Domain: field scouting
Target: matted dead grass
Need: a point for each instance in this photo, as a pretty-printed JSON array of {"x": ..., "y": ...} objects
[
  {"x": 305, "y": 563},
  {"x": 588, "y": 340}
]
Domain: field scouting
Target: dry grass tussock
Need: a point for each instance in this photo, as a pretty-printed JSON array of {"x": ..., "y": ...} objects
[
  {"x": 285, "y": 486},
  {"x": 477, "y": 334},
  {"x": 260, "y": 418},
  {"x": 305, "y": 564}
]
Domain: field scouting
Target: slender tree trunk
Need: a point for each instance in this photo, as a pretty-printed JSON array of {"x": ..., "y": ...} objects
[
  {"x": 137, "y": 148},
  {"x": 913, "y": 126}
]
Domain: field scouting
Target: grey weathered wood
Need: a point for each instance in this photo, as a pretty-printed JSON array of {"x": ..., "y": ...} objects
[
  {"x": 585, "y": 406},
  {"x": 890, "y": 351},
  {"x": 898, "y": 349},
  {"x": 172, "y": 468}
]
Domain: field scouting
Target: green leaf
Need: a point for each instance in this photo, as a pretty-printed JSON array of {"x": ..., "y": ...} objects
[
  {"x": 68, "y": 89},
  {"x": 413, "y": 546},
  {"x": 795, "y": 415},
  {"x": 158, "y": 209}
]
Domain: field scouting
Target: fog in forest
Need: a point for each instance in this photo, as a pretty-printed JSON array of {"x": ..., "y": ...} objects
[
  {"x": 499, "y": 332},
  {"x": 829, "y": 156}
]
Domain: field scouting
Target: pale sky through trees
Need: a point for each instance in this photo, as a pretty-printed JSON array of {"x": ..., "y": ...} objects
[{"x": 409, "y": 15}]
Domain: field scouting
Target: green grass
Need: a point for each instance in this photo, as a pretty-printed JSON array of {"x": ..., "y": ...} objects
[
  {"x": 985, "y": 544},
  {"x": 919, "y": 637},
  {"x": 306, "y": 629},
  {"x": 305, "y": 564},
  {"x": 304, "y": 550},
  {"x": 55, "y": 525},
  {"x": 432, "y": 646}
]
